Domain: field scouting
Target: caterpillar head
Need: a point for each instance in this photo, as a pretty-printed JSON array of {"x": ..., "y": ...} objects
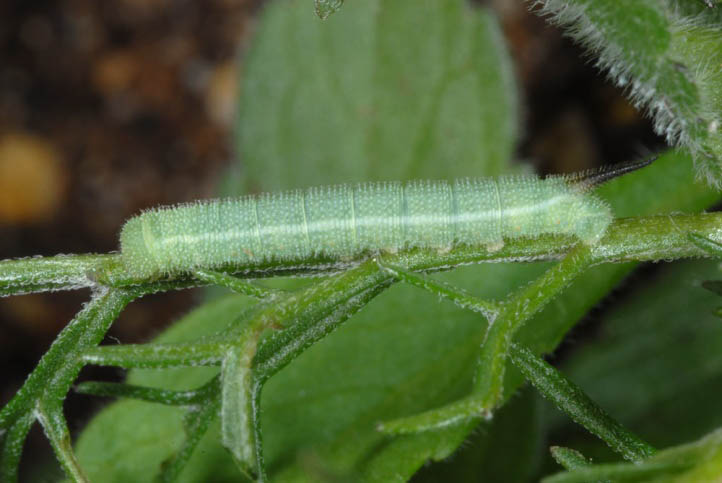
[{"x": 592, "y": 219}]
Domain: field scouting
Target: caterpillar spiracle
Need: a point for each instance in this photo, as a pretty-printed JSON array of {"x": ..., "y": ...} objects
[{"x": 345, "y": 221}]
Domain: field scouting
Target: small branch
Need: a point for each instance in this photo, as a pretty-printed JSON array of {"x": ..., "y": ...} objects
[
  {"x": 12, "y": 436},
  {"x": 42, "y": 274},
  {"x": 196, "y": 424},
  {"x": 569, "y": 459},
  {"x": 314, "y": 311},
  {"x": 154, "y": 356},
  {"x": 458, "y": 412},
  {"x": 59, "y": 365},
  {"x": 235, "y": 284},
  {"x": 150, "y": 394},
  {"x": 56, "y": 430},
  {"x": 568, "y": 397},
  {"x": 520, "y": 307},
  {"x": 203, "y": 407},
  {"x": 455, "y": 294}
]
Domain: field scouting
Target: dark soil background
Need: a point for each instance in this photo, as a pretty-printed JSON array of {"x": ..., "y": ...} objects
[{"x": 110, "y": 107}]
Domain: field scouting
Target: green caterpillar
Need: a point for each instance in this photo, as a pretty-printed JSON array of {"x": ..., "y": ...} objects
[{"x": 344, "y": 222}]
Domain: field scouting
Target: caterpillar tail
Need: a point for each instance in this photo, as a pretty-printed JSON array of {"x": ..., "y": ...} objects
[{"x": 591, "y": 178}]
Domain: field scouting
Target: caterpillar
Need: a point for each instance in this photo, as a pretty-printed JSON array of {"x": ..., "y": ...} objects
[{"x": 345, "y": 221}]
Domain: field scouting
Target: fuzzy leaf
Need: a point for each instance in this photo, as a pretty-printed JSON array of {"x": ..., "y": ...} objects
[{"x": 667, "y": 57}]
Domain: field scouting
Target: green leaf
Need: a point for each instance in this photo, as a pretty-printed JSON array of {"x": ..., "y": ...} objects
[
  {"x": 667, "y": 57},
  {"x": 381, "y": 90}
]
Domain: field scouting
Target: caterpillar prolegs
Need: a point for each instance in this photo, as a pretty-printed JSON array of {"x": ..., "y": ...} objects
[{"x": 348, "y": 220}]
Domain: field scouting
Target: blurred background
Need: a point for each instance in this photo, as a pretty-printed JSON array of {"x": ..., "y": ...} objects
[{"x": 107, "y": 108}]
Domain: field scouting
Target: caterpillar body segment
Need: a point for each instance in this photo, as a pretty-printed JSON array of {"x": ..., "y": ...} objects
[{"x": 346, "y": 221}]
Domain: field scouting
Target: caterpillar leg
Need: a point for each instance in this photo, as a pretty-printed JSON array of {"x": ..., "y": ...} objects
[{"x": 235, "y": 284}]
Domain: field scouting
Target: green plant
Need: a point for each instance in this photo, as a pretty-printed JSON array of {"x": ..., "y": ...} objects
[{"x": 409, "y": 378}]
